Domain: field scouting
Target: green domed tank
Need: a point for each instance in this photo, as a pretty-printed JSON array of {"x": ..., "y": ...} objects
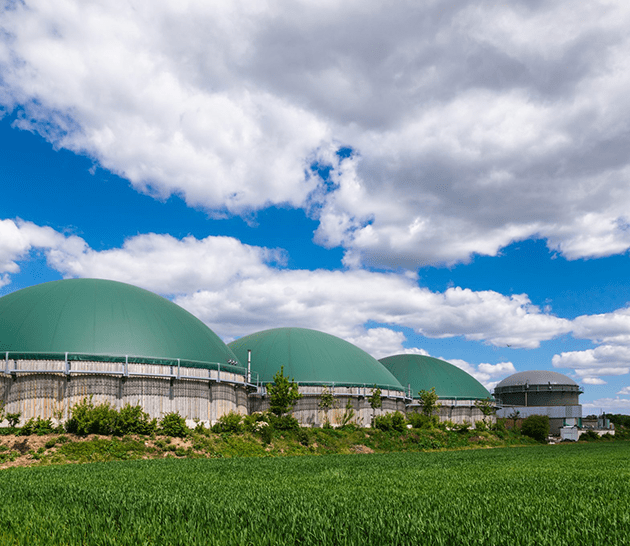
[
  {"x": 312, "y": 357},
  {"x": 424, "y": 372},
  {"x": 101, "y": 317}
]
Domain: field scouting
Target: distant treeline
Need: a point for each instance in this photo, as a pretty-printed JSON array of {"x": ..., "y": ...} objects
[{"x": 619, "y": 420}]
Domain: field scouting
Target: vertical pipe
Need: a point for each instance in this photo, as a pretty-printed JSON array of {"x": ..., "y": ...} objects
[
  {"x": 249, "y": 365},
  {"x": 6, "y": 363}
]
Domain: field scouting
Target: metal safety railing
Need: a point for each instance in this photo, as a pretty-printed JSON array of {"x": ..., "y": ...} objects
[
  {"x": 174, "y": 367},
  {"x": 363, "y": 389}
]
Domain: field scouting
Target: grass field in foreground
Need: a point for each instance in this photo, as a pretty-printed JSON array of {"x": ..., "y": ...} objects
[{"x": 565, "y": 494}]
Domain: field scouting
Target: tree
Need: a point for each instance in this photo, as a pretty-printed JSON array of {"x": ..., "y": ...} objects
[
  {"x": 326, "y": 401},
  {"x": 283, "y": 393},
  {"x": 514, "y": 416},
  {"x": 348, "y": 414},
  {"x": 375, "y": 400},
  {"x": 487, "y": 407},
  {"x": 536, "y": 427},
  {"x": 429, "y": 401}
]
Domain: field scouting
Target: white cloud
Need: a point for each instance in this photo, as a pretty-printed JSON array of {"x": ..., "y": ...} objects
[
  {"x": 608, "y": 405},
  {"x": 19, "y": 238},
  {"x": 593, "y": 381},
  {"x": 474, "y": 124},
  {"x": 625, "y": 390},
  {"x": 237, "y": 289},
  {"x": 379, "y": 342},
  {"x": 167, "y": 265},
  {"x": 607, "y": 328},
  {"x": 489, "y": 375}
]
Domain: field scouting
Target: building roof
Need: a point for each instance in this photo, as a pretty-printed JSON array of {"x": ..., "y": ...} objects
[
  {"x": 101, "y": 317},
  {"x": 312, "y": 357},
  {"x": 424, "y": 372},
  {"x": 536, "y": 377}
]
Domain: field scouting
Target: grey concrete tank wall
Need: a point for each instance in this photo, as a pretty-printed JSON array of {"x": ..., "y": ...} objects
[
  {"x": 48, "y": 392},
  {"x": 308, "y": 413}
]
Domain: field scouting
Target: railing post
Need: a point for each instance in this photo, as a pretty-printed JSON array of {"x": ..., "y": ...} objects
[
  {"x": 218, "y": 372},
  {"x": 67, "y": 371},
  {"x": 178, "y": 369},
  {"x": 6, "y": 363},
  {"x": 126, "y": 371}
]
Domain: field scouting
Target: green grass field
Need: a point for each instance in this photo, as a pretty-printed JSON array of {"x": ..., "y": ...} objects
[{"x": 565, "y": 494}]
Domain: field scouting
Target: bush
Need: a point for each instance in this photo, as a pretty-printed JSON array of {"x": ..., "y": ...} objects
[
  {"x": 13, "y": 419},
  {"x": 499, "y": 426},
  {"x": 250, "y": 422},
  {"x": 419, "y": 420},
  {"x": 173, "y": 424},
  {"x": 462, "y": 427},
  {"x": 230, "y": 422},
  {"x": 266, "y": 433},
  {"x": 37, "y": 426},
  {"x": 390, "y": 421},
  {"x": 589, "y": 436},
  {"x": 303, "y": 436},
  {"x": 536, "y": 427},
  {"x": 132, "y": 420},
  {"x": 87, "y": 418},
  {"x": 286, "y": 422}
]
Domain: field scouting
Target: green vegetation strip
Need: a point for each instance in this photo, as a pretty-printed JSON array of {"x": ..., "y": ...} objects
[{"x": 555, "y": 495}]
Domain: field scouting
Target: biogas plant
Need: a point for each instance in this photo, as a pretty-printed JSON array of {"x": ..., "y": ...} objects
[{"x": 63, "y": 341}]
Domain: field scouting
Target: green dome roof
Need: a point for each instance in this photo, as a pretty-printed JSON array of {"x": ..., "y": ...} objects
[
  {"x": 99, "y": 317},
  {"x": 423, "y": 373},
  {"x": 312, "y": 357}
]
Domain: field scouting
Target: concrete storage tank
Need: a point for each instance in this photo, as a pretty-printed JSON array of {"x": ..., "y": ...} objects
[
  {"x": 457, "y": 390},
  {"x": 540, "y": 392},
  {"x": 65, "y": 340},
  {"x": 316, "y": 360}
]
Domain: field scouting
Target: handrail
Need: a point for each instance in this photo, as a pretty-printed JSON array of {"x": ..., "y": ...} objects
[{"x": 123, "y": 359}]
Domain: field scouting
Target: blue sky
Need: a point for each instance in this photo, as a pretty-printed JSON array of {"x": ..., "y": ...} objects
[{"x": 448, "y": 179}]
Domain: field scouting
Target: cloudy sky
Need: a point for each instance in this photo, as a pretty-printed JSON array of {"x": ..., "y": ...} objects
[{"x": 447, "y": 178}]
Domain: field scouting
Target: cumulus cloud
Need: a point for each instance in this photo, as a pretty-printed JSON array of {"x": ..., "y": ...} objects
[
  {"x": 237, "y": 288},
  {"x": 489, "y": 375},
  {"x": 625, "y": 390},
  {"x": 18, "y": 239},
  {"x": 608, "y": 405},
  {"x": 611, "y": 333},
  {"x": 472, "y": 124},
  {"x": 593, "y": 381}
]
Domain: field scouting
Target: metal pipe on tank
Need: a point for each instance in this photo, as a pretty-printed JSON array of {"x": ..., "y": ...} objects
[{"x": 249, "y": 365}]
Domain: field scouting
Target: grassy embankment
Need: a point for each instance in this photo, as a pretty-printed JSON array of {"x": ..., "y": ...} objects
[
  {"x": 69, "y": 448},
  {"x": 543, "y": 495}
]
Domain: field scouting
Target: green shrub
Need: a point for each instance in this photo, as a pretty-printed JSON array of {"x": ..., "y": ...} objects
[
  {"x": 132, "y": 420},
  {"x": 480, "y": 426},
  {"x": 266, "y": 434},
  {"x": 303, "y": 436},
  {"x": 462, "y": 427},
  {"x": 250, "y": 422},
  {"x": 419, "y": 420},
  {"x": 37, "y": 426},
  {"x": 230, "y": 422},
  {"x": 86, "y": 418},
  {"x": 590, "y": 436},
  {"x": 536, "y": 427},
  {"x": 499, "y": 426},
  {"x": 13, "y": 419},
  {"x": 173, "y": 424},
  {"x": 285, "y": 422},
  {"x": 390, "y": 421}
]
